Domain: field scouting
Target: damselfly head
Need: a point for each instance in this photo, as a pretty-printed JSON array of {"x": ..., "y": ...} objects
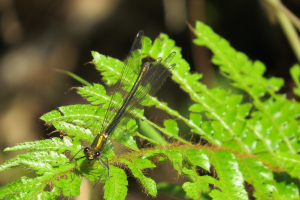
[{"x": 91, "y": 154}]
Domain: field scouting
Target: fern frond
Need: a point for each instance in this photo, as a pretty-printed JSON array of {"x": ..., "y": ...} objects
[{"x": 272, "y": 126}]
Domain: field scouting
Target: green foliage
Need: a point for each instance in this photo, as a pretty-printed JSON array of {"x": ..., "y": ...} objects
[
  {"x": 253, "y": 149},
  {"x": 295, "y": 72}
]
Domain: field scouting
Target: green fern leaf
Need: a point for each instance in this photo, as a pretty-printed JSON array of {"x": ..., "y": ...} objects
[
  {"x": 49, "y": 195},
  {"x": 171, "y": 126},
  {"x": 111, "y": 68},
  {"x": 231, "y": 181},
  {"x": 200, "y": 187},
  {"x": 54, "y": 144},
  {"x": 136, "y": 165},
  {"x": 41, "y": 162},
  {"x": 295, "y": 72},
  {"x": 96, "y": 94},
  {"x": 115, "y": 187},
  {"x": 259, "y": 176},
  {"x": 69, "y": 188},
  {"x": 198, "y": 157}
]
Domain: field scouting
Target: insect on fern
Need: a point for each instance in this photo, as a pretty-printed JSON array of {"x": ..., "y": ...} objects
[{"x": 149, "y": 80}]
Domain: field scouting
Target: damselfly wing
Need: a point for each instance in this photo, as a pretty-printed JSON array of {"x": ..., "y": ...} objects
[{"x": 127, "y": 97}]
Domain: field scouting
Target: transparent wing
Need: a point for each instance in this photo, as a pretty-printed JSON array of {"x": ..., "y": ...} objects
[
  {"x": 130, "y": 70},
  {"x": 150, "y": 83}
]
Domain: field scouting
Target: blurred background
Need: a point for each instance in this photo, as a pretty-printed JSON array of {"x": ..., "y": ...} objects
[{"x": 39, "y": 36}]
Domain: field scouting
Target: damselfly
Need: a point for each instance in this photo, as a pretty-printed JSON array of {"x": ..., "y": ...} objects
[{"x": 150, "y": 78}]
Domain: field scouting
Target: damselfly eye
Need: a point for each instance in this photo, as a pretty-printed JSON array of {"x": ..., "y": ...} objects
[
  {"x": 86, "y": 150},
  {"x": 97, "y": 154}
]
